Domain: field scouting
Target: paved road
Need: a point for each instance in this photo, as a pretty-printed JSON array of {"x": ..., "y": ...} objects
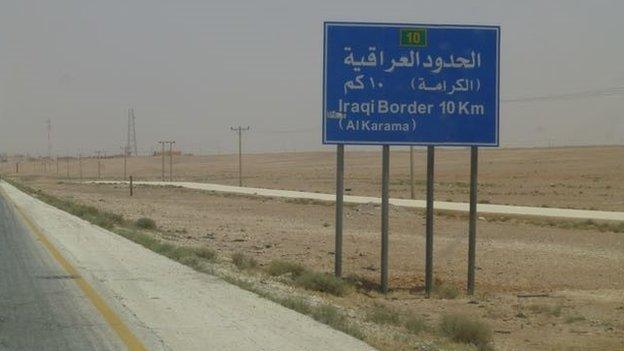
[
  {"x": 166, "y": 305},
  {"x": 439, "y": 205},
  {"x": 41, "y": 307}
]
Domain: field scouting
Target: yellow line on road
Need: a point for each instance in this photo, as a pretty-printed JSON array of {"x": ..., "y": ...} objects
[{"x": 127, "y": 337}]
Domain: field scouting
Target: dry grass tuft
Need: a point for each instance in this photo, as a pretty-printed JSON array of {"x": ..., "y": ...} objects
[
  {"x": 324, "y": 282},
  {"x": 145, "y": 223},
  {"x": 465, "y": 329},
  {"x": 279, "y": 268},
  {"x": 446, "y": 291},
  {"x": 415, "y": 324},
  {"x": 551, "y": 310},
  {"x": 381, "y": 314},
  {"x": 243, "y": 262},
  {"x": 206, "y": 253}
]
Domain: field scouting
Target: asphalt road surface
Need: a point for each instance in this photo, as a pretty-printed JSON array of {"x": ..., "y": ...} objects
[
  {"x": 66, "y": 284},
  {"x": 41, "y": 307}
]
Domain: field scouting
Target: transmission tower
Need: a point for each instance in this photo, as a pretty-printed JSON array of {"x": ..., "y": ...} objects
[{"x": 131, "y": 144}]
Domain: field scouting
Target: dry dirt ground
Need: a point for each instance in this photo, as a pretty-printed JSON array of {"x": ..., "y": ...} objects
[
  {"x": 581, "y": 270},
  {"x": 574, "y": 177}
]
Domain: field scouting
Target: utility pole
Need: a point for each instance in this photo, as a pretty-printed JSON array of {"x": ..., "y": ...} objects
[
  {"x": 99, "y": 167},
  {"x": 49, "y": 156},
  {"x": 171, "y": 160},
  {"x": 162, "y": 154},
  {"x": 240, "y": 130},
  {"x": 80, "y": 165},
  {"x": 49, "y": 129}
]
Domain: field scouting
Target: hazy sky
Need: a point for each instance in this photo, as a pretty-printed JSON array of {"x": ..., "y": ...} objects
[{"x": 193, "y": 68}]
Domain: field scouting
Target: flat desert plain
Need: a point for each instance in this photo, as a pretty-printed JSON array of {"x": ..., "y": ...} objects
[
  {"x": 576, "y": 268},
  {"x": 573, "y": 177}
]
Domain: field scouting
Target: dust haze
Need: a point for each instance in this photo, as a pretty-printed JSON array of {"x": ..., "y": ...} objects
[{"x": 192, "y": 69}]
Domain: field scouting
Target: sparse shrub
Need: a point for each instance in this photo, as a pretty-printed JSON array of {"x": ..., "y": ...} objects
[
  {"x": 465, "y": 329},
  {"x": 297, "y": 304},
  {"x": 205, "y": 252},
  {"x": 415, "y": 324},
  {"x": 331, "y": 316},
  {"x": 191, "y": 261},
  {"x": 327, "y": 314},
  {"x": 381, "y": 314},
  {"x": 554, "y": 311},
  {"x": 114, "y": 217},
  {"x": 279, "y": 267},
  {"x": 145, "y": 240},
  {"x": 574, "y": 318},
  {"x": 103, "y": 222},
  {"x": 145, "y": 223},
  {"x": 323, "y": 282},
  {"x": 446, "y": 291},
  {"x": 243, "y": 262},
  {"x": 180, "y": 252},
  {"x": 163, "y": 248},
  {"x": 359, "y": 282},
  {"x": 91, "y": 214},
  {"x": 81, "y": 211}
]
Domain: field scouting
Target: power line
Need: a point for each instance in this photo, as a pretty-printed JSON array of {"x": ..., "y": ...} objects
[
  {"x": 567, "y": 96},
  {"x": 292, "y": 131}
]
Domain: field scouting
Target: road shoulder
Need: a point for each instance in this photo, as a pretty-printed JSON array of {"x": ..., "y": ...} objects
[{"x": 170, "y": 305}]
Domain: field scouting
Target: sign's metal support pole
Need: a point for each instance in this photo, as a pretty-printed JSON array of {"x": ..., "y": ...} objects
[
  {"x": 339, "y": 207},
  {"x": 472, "y": 226},
  {"x": 412, "y": 190},
  {"x": 385, "y": 180},
  {"x": 429, "y": 222}
]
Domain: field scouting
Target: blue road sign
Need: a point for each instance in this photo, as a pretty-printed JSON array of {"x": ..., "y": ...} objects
[{"x": 410, "y": 84}]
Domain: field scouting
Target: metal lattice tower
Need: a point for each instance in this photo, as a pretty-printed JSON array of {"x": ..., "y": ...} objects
[{"x": 131, "y": 144}]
